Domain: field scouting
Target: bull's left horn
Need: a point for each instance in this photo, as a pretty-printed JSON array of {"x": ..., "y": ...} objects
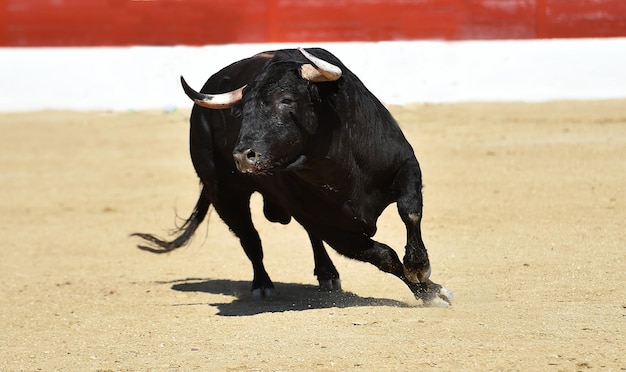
[
  {"x": 212, "y": 101},
  {"x": 320, "y": 70}
]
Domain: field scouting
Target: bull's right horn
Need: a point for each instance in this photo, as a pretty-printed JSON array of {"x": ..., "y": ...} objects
[
  {"x": 213, "y": 101},
  {"x": 320, "y": 70}
]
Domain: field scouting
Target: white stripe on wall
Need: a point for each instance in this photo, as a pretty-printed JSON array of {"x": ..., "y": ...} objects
[{"x": 397, "y": 72}]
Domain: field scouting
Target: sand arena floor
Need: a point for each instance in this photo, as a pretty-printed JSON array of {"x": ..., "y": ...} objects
[{"x": 525, "y": 219}]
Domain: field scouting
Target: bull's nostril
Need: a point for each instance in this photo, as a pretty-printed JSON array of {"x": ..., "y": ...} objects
[
  {"x": 245, "y": 160},
  {"x": 250, "y": 155}
]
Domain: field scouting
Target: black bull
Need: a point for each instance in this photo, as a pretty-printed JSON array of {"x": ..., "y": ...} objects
[{"x": 303, "y": 131}]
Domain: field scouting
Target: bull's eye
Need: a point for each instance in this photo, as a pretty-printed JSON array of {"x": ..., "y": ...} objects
[{"x": 286, "y": 101}]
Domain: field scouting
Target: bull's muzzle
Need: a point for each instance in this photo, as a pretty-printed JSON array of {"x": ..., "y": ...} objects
[{"x": 246, "y": 160}]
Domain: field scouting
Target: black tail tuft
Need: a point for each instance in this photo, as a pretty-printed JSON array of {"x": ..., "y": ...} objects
[{"x": 183, "y": 233}]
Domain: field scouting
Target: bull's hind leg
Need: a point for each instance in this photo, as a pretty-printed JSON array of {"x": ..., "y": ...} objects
[
  {"x": 234, "y": 209},
  {"x": 325, "y": 270}
]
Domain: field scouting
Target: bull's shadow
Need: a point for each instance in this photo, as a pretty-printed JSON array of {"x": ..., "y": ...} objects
[{"x": 288, "y": 297}]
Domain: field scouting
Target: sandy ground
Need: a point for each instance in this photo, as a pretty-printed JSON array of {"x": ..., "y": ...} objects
[{"x": 525, "y": 219}]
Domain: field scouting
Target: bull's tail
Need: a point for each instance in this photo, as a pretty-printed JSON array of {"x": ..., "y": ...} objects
[{"x": 183, "y": 234}]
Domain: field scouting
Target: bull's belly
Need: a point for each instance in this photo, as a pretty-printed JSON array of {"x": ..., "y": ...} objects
[{"x": 322, "y": 210}]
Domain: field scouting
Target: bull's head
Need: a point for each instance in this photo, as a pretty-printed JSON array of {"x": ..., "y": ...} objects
[{"x": 278, "y": 113}]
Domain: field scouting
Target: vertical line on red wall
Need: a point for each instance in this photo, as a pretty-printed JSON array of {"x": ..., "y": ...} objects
[
  {"x": 272, "y": 18},
  {"x": 541, "y": 19},
  {"x": 4, "y": 22}
]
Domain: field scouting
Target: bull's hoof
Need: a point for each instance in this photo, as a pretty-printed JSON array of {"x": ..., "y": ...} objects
[
  {"x": 330, "y": 285},
  {"x": 261, "y": 293},
  {"x": 443, "y": 298},
  {"x": 434, "y": 295}
]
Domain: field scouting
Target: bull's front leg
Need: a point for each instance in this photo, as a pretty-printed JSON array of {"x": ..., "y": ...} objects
[{"x": 416, "y": 264}]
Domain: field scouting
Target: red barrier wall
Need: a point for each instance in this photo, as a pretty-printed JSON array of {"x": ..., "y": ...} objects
[{"x": 200, "y": 22}]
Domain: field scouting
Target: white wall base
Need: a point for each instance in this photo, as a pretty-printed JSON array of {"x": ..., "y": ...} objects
[{"x": 137, "y": 78}]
